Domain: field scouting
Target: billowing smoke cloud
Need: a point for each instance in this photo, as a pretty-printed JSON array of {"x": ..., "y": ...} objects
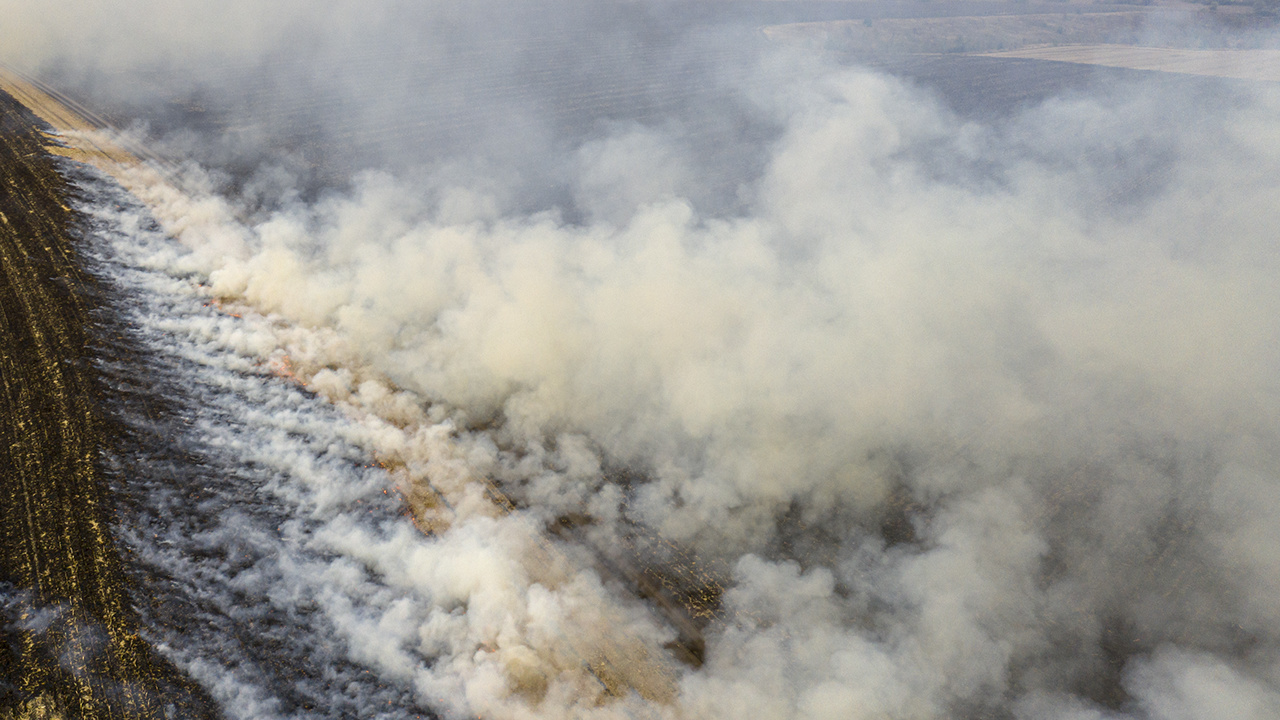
[
  {"x": 971, "y": 419},
  {"x": 952, "y": 419}
]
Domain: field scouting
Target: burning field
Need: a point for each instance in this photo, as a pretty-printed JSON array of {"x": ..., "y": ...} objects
[{"x": 550, "y": 360}]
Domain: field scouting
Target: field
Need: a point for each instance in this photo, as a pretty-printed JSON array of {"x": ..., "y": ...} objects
[
  {"x": 1261, "y": 65},
  {"x": 1028, "y": 25},
  {"x": 77, "y": 647},
  {"x": 961, "y": 34},
  {"x": 376, "y": 108}
]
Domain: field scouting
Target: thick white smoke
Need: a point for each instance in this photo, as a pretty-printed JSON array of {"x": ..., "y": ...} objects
[{"x": 965, "y": 419}]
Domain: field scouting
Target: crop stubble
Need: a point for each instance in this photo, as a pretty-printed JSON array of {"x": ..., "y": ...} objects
[{"x": 72, "y": 648}]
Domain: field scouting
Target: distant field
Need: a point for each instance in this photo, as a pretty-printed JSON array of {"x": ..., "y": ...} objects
[
  {"x": 1167, "y": 23},
  {"x": 1241, "y": 64},
  {"x": 960, "y": 34}
]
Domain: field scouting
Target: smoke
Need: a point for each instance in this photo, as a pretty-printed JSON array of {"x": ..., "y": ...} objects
[
  {"x": 940, "y": 417},
  {"x": 285, "y": 100},
  {"x": 978, "y": 419}
]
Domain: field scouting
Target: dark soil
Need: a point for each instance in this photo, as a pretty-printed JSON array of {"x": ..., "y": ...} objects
[{"x": 70, "y": 644}]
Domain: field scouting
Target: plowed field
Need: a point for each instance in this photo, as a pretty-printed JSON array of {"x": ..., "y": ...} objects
[{"x": 71, "y": 647}]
